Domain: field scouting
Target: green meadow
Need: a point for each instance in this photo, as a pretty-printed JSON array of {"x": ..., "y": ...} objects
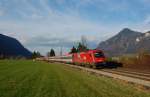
[{"x": 27, "y": 78}]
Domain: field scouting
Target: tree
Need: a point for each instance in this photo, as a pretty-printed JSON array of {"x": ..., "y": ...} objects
[
  {"x": 83, "y": 40},
  {"x": 52, "y": 53},
  {"x": 36, "y": 54},
  {"x": 81, "y": 47},
  {"x": 73, "y": 50}
]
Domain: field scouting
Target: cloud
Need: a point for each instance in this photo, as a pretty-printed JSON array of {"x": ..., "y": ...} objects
[
  {"x": 55, "y": 31},
  {"x": 1, "y": 13},
  {"x": 44, "y": 24},
  {"x": 49, "y": 42},
  {"x": 44, "y": 43},
  {"x": 147, "y": 20}
]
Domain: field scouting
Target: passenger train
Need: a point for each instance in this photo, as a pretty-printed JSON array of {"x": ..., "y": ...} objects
[{"x": 92, "y": 58}]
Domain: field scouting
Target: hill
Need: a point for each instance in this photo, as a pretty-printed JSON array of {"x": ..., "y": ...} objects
[
  {"x": 10, "y": 47},
  {"x": 126, "y": 41}
]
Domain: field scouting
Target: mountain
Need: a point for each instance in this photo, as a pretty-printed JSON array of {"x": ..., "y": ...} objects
[
  {"x": 10, "y": 47},
  {"x": 126, "y": 41}
]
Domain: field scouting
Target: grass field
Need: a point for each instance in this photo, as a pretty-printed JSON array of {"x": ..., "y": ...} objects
[{"x": 22, "y": 78}]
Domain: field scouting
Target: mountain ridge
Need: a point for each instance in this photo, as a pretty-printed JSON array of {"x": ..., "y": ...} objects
[
  {"x": 126, "y": 41},
  {"x": 11, "y": 47}
]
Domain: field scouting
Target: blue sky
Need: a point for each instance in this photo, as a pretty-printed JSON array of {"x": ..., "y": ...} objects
[{"x": 44, "y": 24}]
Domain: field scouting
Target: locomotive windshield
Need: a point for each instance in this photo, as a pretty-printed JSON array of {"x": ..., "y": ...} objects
[{"x": 98, "y": 54}]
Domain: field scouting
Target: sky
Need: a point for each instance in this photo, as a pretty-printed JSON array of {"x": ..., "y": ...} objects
[{"x": 44, "y": 24}]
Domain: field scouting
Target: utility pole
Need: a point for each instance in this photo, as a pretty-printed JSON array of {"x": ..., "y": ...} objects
[{"x": 61, "y": 52}]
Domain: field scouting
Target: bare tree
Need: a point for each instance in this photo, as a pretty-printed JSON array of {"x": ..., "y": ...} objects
[{"x": 84, "y": 40}]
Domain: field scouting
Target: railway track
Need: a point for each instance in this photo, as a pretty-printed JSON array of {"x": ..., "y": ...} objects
[
  {"x": 138, "y": 75},
  {"x": 130, "y": 75},
  {"x": 131, "y": 78},
  {"x": 133, "y": 71}
]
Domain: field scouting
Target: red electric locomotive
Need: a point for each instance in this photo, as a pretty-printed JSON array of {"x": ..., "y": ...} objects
[{"x": 92, "y": 58}]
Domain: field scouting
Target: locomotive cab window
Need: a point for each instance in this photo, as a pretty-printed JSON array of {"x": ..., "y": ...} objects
[{"x": 98, "y": 54}]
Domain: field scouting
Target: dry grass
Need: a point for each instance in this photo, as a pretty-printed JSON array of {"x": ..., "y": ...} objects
[{"x": 140, "y": 61}]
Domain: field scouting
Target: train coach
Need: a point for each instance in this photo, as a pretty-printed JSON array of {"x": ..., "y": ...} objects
[{"x": 93, "y": 58}]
